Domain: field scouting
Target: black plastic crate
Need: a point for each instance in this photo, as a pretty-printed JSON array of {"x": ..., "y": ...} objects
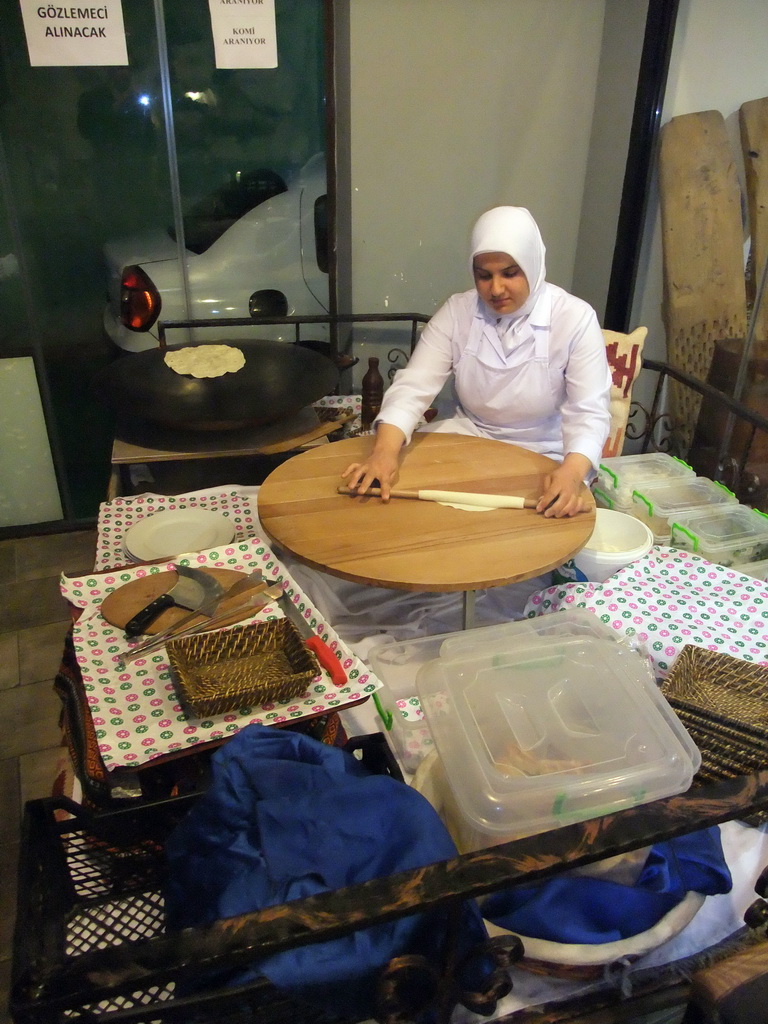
[
  {"x": 90, "y": 941},
  {"x": 91, "y": 945}
]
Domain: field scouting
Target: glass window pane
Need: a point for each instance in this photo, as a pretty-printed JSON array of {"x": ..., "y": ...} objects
[{"x": 89, "y": 190}]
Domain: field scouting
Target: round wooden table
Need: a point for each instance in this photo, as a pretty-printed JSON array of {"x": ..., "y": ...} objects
[{"x": 420, "y": 545}]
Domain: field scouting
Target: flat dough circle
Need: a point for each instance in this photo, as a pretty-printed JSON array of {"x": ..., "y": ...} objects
[
  {"x": 466, "y": 508},
  {"x": 205, "y": 360}
]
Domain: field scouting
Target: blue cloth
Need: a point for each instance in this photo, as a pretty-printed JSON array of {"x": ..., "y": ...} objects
[
  {"x": 578, "y": 909},
  {"x": 287, "y": 817}
]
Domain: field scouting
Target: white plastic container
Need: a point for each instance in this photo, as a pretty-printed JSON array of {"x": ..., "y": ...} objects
[
  {"x": 661, "y": 504},
  {"x": 617, "y": 478},
  {"x": 726, "y": 534},
  {"x": 616, "y": 541},
  {"x": 549, "y": 729}
]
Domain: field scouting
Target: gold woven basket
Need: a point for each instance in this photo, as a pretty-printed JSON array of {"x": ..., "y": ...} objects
[
  {"x": 723, "y": 703},
  {"x": 261, "y": 663}
]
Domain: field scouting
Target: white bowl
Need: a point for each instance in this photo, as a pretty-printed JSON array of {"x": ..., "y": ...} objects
[{"x": 584, "y": 961}]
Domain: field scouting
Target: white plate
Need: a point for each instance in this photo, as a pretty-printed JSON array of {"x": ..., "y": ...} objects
[{"x": 169, "y": 533}]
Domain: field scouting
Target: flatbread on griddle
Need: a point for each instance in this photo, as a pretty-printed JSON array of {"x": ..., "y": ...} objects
[{"x": 205, "y": 360}]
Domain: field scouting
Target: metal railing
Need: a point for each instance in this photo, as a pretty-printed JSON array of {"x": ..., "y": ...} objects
[
  {"x": 743, "y": 467},
  {"x": 332, "y": 321}
]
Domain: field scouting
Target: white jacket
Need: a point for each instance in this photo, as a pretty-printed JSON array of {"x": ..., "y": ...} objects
[{"x": 550, "y": 393}]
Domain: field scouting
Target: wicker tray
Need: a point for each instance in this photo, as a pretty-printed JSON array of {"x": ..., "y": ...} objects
[
  {"x": 237, "y": 668},
  {"x": 723, "y": 703},
  {"x": 700, "y": 665},
  {"x": 728, "y": 729},
  {"x": 727, "y": 691}
]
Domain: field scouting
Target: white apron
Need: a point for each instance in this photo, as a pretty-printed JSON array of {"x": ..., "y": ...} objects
[{"x": 505, "y": 398}]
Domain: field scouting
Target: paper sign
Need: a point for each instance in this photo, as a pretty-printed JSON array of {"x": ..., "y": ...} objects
[
  {"x": 74, "y": 35},
  {"x": 244, "y": 33}
]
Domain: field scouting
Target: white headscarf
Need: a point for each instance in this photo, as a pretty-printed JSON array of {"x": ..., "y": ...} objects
[{"x": 512, "y": 229}]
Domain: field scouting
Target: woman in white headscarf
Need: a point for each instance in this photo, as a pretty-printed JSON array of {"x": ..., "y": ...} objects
[{"x": 528, "y": 362}]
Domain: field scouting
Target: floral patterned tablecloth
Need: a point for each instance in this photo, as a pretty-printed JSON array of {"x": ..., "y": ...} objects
[
  {"x": 134, "y": 706},
  {"x": 671, "y": 598},
  {"x": 116, "y": 517}
]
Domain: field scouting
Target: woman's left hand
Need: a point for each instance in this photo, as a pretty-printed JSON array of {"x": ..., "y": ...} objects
[{"x": 565, "y": 493}]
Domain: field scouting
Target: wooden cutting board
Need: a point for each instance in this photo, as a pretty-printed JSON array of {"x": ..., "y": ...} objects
[
  {"x": 421, "y": 545},
  {"x": 119, "y": 607},
  {"x": 702, "y": 238},
  {"x": 753, "y": 123},
  {"x": 729, "y": 353}
]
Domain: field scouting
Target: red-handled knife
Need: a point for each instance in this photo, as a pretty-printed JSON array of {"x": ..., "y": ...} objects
[{"x": 325, "y": 656}]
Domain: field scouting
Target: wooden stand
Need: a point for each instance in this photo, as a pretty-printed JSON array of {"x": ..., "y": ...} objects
[{"x": 186, "y": 453}]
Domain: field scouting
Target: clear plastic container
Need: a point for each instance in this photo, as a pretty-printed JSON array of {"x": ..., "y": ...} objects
[
  {"x": 726, "y": 534},
  {"x": 662, "y": 503},
  {"x": 397, "y": 663},
  {"x": 399, "y": 708},
  {"x": 617, "y": 478},
  {"x": 549, "y": 728},
  {"x": 607, "y": 499},
  {"x": 757, "y": 570}
]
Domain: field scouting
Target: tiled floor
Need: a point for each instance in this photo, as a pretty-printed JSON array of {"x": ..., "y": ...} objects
[{"x": 33, "y": 621}]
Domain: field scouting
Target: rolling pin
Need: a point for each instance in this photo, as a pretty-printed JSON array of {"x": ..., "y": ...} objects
[{"x": 463, "y": 497}]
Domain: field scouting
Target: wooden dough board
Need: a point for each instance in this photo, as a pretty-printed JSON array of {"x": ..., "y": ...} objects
[
  {"x": 119, "y": 607},
  {"x": 753, "y": 122},
  {"x": 421, "y": 545},
  {"x": 702, "y": 237}
]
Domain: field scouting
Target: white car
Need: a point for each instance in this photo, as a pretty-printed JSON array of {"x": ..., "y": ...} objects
[{"x": 256, "y": 247}]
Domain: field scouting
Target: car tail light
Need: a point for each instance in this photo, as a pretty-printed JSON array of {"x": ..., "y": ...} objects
[{"x": 140, "y": 301}]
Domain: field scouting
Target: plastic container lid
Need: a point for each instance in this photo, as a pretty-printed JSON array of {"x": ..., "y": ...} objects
[
  {"x": 727, "y": 534},
  {"x": 397, "y": 663},
  {"x": 619, "y": 476},
  {"x": 663, "y": 502},
  {"x": 549, "y": 729}
]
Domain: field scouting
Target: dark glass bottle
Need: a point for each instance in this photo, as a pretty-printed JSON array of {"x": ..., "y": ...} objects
[{"x": 372, "y": 394}]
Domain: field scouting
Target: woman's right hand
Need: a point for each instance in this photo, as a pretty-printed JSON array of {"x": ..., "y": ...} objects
[{"x": 382, "y": 464}]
